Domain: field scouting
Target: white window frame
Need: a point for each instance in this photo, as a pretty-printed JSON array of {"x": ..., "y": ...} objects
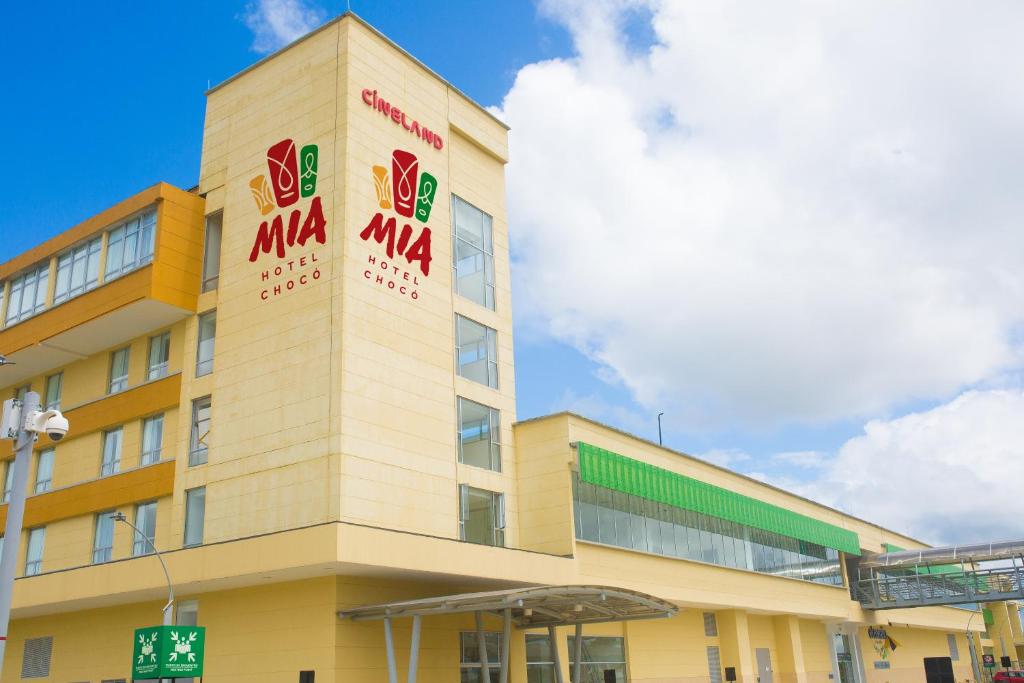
[
  {"x": 78, "y": 270},
  {"x": 33, "y": 282},
  {"x": 150, "y": 453},
  {"x": 497, "y": 509},
  {"x": 103, "y": 553},
  {"x": 489, "y": 345},
  {"x": 199, "y": 447},
  {"x": 205, "y": 345},
  {"x": 493, "y": 434},
  {"x": 140, "y": 546},
  {"x": 110, "y": 462},
  {"x": 162, "y": 343},
  {"x": 35, "y": 548},
  {"x": 192, "y": 494},
  {"x": 211, "y": 251},
  {"x": 48, "y": 401},
  {"x": 44, "y": 466},
  {"x": 118, "y": 383},
  {"x": 138, "y": 233},
  {"x": 481, "y": 254}
]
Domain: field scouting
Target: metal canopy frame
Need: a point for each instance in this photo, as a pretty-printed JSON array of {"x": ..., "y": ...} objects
[{"x": 539, "y": 607}]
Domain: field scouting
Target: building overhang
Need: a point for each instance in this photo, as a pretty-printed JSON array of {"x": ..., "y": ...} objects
[{"x": 536, "y": 607}]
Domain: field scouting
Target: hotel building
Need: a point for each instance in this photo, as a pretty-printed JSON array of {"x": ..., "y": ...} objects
[{"x": 297, "y": 381}]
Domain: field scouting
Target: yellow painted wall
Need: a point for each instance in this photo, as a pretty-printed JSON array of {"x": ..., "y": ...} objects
[{"x": 907, "y": 662}]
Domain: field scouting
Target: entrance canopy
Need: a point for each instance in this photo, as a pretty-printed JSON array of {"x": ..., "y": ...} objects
[
  {"x": 531, "y": 607},
  {"x": 539, "y": 607}
]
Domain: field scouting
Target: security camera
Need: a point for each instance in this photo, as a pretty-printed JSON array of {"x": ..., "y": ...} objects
[{"x": 50, "y": 422}]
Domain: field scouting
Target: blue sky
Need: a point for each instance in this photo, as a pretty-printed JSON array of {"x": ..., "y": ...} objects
[{"x": 799, "y": 246}]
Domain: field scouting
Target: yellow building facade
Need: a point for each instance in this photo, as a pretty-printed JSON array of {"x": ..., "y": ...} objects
[{"x": 297, "y": 379}]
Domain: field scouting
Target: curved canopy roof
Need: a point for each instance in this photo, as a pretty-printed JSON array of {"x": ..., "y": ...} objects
[{"x": 531, "y": 607}]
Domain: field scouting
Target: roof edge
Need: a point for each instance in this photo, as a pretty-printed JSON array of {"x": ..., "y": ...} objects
[
  {"x": 337, "y": 20},
  {"x": 687, "y": 456}
]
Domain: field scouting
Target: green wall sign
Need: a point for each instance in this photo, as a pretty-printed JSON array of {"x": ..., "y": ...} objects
[{"x": 168, "y": 652}]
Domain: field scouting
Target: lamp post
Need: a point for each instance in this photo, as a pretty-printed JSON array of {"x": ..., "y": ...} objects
[
  {"x": 168, "y": 608},
  {"x": 659, "y": 429},
  {"x": 22, "y": 422}
]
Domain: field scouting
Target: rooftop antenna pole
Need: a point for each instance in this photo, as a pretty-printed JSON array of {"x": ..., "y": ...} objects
[{"x": 659, "y": 428}]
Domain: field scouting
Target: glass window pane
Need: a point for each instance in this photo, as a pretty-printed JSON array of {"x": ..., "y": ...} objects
[
  {"x": 34, "y": 553},
  {"x": 103, "y": 544},
  {"x": 479, "y": 513},
  {"x": 201, "y": 411},
  {"x": 111, "y": 451},
  {"x": 211, "y": 252},
  {"x": 204, "y": 350},
  {"x": 44, "y": 471},
  {"x": 159, "y": 356},
  {"x": 195, "y": 513},
  {"x": 478, "y": 438},
  {"x": 118, "y": 370},
  {"x": 145, "y": 521},
  {"x": 476, "y": 351},
  {"x": 152, "y": 439},
  {"x": 54, "y": 387}
]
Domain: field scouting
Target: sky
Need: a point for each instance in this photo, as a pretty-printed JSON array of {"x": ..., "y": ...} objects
[{"x": 794, "y": 230}]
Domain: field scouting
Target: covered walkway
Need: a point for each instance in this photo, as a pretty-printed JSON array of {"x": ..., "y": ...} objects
[{"x": 539, "y": 607}]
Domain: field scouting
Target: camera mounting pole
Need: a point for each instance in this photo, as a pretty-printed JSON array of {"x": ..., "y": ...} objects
[{"x": 24, "y": 439}]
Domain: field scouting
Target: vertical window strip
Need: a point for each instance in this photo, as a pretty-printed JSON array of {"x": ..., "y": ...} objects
[{"x": 28, "y": 294}]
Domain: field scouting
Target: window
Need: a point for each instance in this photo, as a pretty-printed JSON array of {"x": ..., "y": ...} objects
[
  {"x": 35, "y": 659},
  {"x": 473, "y": 253},
  {"x": 28, "y": 294},
  {"x": 54, "y": 387},
  {"x": 44, "y": 471},
  {"x": 118, "y": 371},
  {"x": 198, "y": 451},
  {"x": 476, "y": 351},
  {"x": 954, "y": 650},
  {"x": 112, "y": 441},
  {"x": 8, "y": 481},
  {"x": 103, "y": 541},
  {"x": 211, "y": 251},
  {"x": 195, "y": 515},
  {"x": 34, "y": 554},
  {"x": 714, "y": 665},
  {"x": 616, "y": 518},
  {"x": 710, "y": 625},
  {"x": 159, "y": 355},
  {"x": 469, "y": 663},
  {"x": 152, "y": 439},
  {"x": 145, "y": 522},
  {"x": 481, "y": 516},
  {"x": 78, "y": 271},
  {"x": 479, "y": 428},
  {"x": 601, "y": 654},
  {"x": 204, "y": 348},
  {"x": 540, "y": 664},
  {"x": 130, "y": 246}
]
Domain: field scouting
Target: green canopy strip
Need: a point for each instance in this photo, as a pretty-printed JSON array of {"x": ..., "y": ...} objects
[{"x": 613, "y": 471}]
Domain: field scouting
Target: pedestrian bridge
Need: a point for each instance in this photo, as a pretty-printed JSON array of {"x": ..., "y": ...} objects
[{"x": 954, "y": 575}]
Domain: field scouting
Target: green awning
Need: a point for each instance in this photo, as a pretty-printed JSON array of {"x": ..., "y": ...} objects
[{"x": 613, "y": 471}]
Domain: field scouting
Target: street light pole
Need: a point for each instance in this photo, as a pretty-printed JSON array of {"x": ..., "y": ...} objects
[
  {"x": 168, "y": 608},
  {"x": 659, "y": 428},
  {"x": 15, "y": 514}
]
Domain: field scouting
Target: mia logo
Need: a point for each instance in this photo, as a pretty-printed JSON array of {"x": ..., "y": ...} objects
[
  {"x": 293, "y": 176},
  {"x": 409, "y": 192},
  {"x": 883, "y": 643}
]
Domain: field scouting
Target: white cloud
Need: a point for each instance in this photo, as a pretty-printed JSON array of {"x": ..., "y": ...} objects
[
  {"x": 777, "y": 213},
  {"x": 804, "y": 459},
  {"x": 275, "y": 23},
  {"x": 726, "y": 457},
  {"x": 946, "y": 475}
]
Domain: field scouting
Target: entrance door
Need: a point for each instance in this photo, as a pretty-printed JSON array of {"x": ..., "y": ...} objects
[
  {"x": 764, "y": 665},
  {"x": 938, "y": 670},
  {"x": 844, "y": 658}
]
